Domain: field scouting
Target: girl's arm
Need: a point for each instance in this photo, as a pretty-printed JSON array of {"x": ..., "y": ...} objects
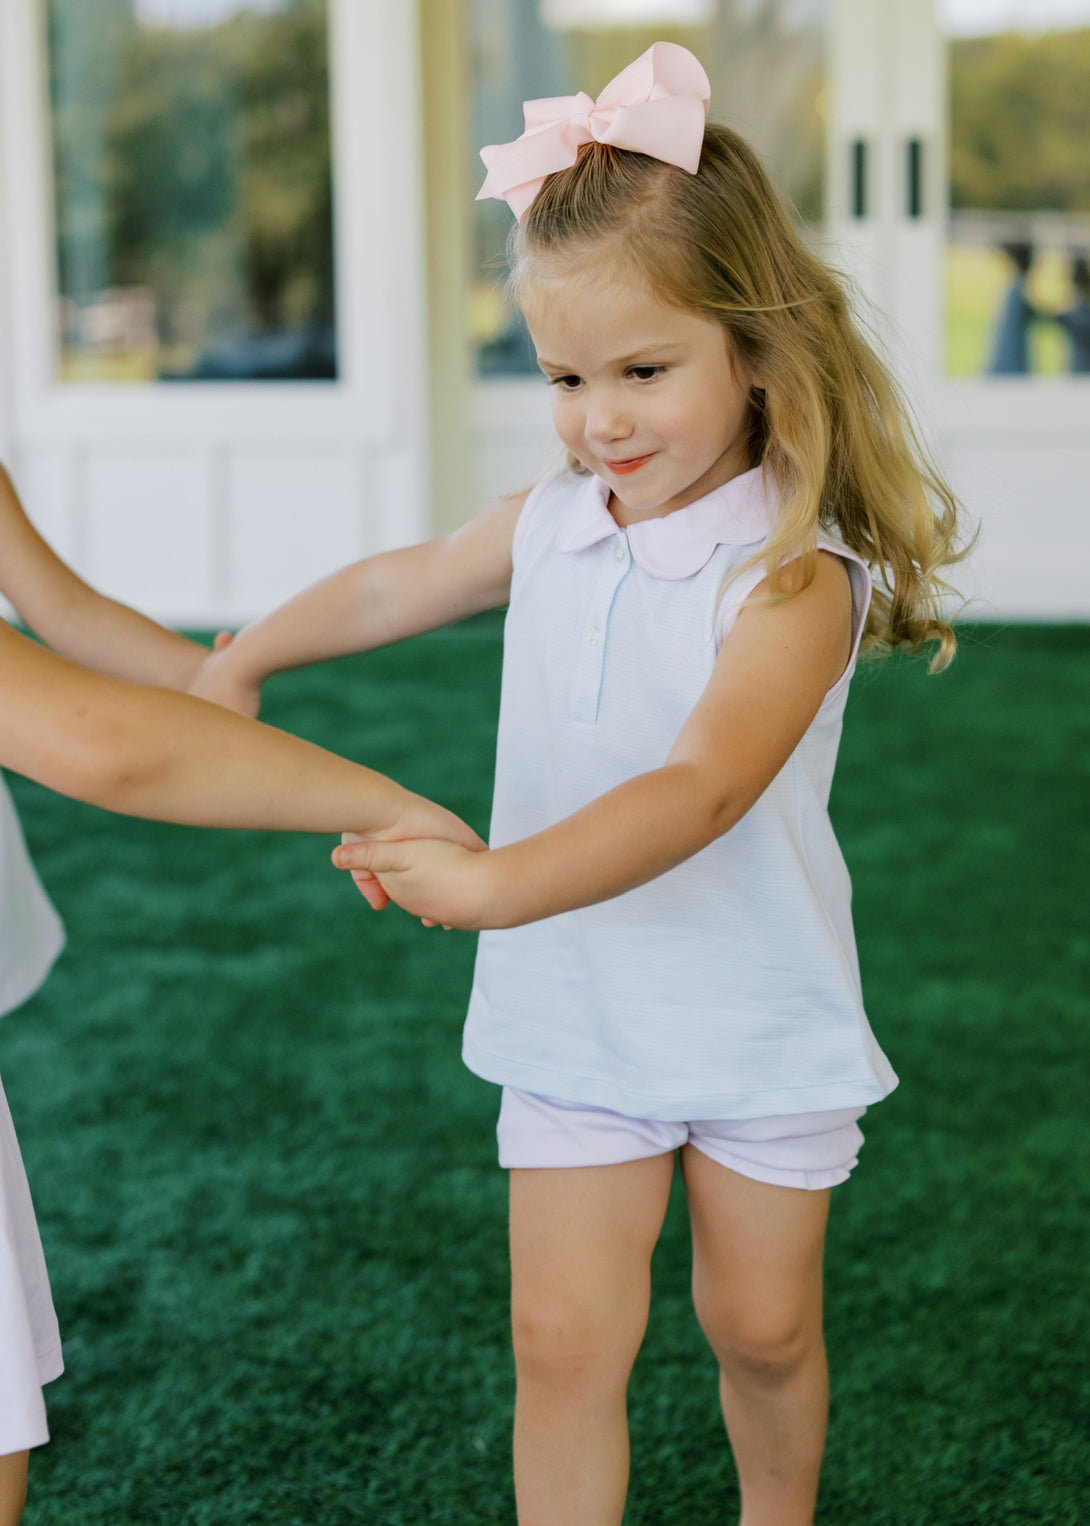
[
  {"x": 78, "y": 622},
  {"x": 152, "y": 752},
  {"x": 369, "y": 604},
  {"x": 768, "y": 683}
]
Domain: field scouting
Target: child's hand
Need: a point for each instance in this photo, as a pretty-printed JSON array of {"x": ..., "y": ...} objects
[
  {"x": 219, "y": 680},
  {"x": 439, "y": 882},
  {"x": 418, "y": 818}
]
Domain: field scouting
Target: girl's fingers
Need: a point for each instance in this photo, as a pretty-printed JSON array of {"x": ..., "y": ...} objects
[
  {"x": 224, "y": 638},
  {"x": 375, "y": 857},
  {"x": 371, "y": 891}
]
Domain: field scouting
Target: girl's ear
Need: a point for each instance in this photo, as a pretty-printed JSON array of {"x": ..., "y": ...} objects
[
  {"x": 746, "y": 373},
  {"x": 756, "y": 378}
]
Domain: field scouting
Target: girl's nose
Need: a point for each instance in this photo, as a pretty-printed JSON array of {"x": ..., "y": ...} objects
[{"x": 606, "y": 420}]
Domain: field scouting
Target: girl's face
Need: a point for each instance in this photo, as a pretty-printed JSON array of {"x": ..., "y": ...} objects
[{"x": 647, "y": 397}]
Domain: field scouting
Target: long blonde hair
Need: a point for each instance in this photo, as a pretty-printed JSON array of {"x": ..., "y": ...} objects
[{"x": 827, "y": 420}]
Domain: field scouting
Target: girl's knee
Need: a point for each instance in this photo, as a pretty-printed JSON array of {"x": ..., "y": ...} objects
[
  {"x": 571, "y": 1350},
  {"x": 764, "y": 1345}
]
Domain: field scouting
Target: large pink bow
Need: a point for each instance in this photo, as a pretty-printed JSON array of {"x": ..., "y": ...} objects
[{"x": 657, "y": 106}]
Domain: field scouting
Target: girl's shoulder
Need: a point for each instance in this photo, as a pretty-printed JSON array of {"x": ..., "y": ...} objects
[
  {"x": 754, "y": 572},
  {"x": 543, "y": 505}
]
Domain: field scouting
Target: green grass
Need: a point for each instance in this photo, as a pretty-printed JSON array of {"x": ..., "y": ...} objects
[{"x": 267, "y": 1187}]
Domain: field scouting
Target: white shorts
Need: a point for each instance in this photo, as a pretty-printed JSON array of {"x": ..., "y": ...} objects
[
  {"x": 808, "y": 1150},
  {"x": 30, "y": 1343}
]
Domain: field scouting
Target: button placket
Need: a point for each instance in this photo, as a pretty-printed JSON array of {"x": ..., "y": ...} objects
[{"x": 590, "y": 660}]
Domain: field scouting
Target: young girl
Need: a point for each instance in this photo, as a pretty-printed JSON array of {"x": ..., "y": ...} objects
[
  {"x": 143, "y": 751},
  {"x": 669, "y": 959}
]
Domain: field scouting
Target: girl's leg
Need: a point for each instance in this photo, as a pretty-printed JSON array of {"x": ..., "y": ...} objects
[
  {"x": 13, "y": 1475},
  {"x": 581, "y": 1243},
  {"x": 757, "y": 1258}
]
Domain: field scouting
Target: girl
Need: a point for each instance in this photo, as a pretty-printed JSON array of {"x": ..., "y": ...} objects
[
  {"x": 146, "y": 752},
  {"x": 668, "y": 961}
]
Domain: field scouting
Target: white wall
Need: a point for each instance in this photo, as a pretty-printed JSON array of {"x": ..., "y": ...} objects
[{"x": 1018, "y": 453}]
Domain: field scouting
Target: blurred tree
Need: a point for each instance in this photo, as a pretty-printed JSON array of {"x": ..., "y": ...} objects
[
  {"x": 171, "y": 166},
  {"x": 196, "y": 163},
  {"x": 1020, "y": 137},
  {"x": 287, "y": 186},
  {"x": 87, "y": 49}
]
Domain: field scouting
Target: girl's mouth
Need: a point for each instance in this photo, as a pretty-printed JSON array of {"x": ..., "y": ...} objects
[{"x": 625, "y": 468}]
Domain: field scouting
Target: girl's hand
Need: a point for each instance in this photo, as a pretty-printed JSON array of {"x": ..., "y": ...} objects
[
  {"x": 439, "y": 882},
  {"x": 419, "y": 818},
  {"x": 219, "y": 680}
]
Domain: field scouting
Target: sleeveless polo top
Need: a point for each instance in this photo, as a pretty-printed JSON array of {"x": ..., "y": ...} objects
[{"x": 729, "y": 986}]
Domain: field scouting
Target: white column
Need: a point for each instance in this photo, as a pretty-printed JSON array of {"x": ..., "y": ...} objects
[{"x": 886, "y": 179}]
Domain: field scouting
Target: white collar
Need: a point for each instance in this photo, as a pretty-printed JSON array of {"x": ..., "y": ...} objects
[{"x": 680, "y": 543}]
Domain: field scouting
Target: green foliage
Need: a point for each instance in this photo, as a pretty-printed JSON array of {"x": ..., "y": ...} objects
[
  {"x": 1020, "y": 134},
  {"x": 196, "y": 162}
]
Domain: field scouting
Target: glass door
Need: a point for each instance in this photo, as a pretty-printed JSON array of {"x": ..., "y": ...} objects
[
  {"x": 192, "y": 190},
  {"x": 1017, "y": 258},
  {"x": 1013, "y": 395}
]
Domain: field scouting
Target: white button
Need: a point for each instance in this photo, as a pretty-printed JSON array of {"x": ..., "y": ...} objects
[
  {"x": 594, "y": 635},
  {"x": 618, "y": 551}
]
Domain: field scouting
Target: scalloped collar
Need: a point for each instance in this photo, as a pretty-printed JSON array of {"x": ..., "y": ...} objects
[{"x": 679, "y": 544}]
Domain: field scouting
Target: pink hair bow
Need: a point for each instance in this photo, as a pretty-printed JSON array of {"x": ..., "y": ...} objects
[{"x": 657, "y": 106}]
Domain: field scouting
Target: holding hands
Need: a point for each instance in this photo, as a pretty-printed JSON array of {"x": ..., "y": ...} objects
[
  {"x": 443, "y": 882},
  {"x": 226, "y": 679},
  {"x": 221, "y": 680}
]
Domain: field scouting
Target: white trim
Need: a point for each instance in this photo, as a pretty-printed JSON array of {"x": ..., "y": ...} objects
[{"x": 1002, "y": 409}]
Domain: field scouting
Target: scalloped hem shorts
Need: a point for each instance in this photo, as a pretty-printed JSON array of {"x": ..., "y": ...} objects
[{"x": 808, "y": 1150}]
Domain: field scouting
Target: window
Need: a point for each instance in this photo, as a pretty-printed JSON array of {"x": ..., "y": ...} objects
[
  {"x": 193, "y": 207},
  {"x": 1018, "y": 252}
]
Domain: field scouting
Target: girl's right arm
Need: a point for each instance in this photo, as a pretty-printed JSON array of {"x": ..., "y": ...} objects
[
  {"x": 153, "y": 752},
  {"x": 369, "y": 604}
]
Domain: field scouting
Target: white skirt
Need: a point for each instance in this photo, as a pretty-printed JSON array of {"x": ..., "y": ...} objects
[{"x": 30, "y": 1342}]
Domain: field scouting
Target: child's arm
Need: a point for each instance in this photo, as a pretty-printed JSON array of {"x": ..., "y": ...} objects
[
  {"x": 767, "y": 685},
  {"x": 75, "y": 620},
  {"x": 152, "y": 752},
  {"x": 369, "y": 604}
]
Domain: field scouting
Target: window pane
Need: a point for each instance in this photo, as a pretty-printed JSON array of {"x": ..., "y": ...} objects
[
  {"x": 192, "y": 191},
  {"x": 1018, "y": 252},
  {"x": 765, "y": 62}
]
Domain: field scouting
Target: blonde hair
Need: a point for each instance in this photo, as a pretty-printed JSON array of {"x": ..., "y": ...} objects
[{"x": 827, "y": 420}]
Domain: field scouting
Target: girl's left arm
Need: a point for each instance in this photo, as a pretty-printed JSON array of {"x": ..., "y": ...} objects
[
  {"x": 75, "y": 620},
  {"x": 768, "y": 683}
]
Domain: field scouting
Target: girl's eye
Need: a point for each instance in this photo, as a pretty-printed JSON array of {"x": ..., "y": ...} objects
[
  {"x": 566, "y": 383},
  {"x": 646, "y": 373}
]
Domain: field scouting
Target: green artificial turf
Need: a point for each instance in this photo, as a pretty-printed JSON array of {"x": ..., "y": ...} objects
[{"x": 267, "y": 1187}]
